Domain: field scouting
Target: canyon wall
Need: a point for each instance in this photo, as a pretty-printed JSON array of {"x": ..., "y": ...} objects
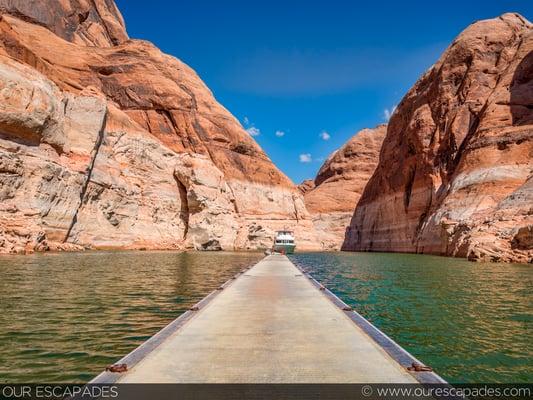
[
  {"x": 455, "y": 173},
  {"x": 332, "y": 196},
  {"x": 106, "y": 142},
  {"x": 87, "y": 22}
]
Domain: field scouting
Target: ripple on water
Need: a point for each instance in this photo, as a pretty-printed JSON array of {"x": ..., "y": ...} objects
[
  {"x": 471, "y": 322},
  {"x": 64, "y": 317}
]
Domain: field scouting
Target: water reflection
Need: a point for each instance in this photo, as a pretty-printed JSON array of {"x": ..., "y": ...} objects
[{"x": 65, "y": 316}]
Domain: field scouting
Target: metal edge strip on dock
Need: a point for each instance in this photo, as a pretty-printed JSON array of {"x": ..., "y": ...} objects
[
  {"x": 143, "y": 350},
  {"x": 393, "y": 349}
]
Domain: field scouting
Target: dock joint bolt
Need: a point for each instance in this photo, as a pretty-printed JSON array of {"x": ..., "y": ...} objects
[
  {"x": 119, "y": 368},
  {"x": 416, "y": 367}
]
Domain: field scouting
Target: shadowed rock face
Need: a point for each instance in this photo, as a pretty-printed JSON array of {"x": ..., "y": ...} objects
[
  {"x": 108, "y": 142},
  {"x": 334, "y": 193},
  {"x": 522, "y": 92},
  {"x": 455, "y": 171}
]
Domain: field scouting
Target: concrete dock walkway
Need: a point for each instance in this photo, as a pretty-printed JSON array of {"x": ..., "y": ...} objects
[{"x": 271, "y": 324}]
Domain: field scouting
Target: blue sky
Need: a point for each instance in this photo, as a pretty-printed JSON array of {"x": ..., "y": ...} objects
[{"x": 307, "y": 75}]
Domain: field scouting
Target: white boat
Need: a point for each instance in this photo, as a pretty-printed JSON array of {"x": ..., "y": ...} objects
[{"x": 284, "y": 242}]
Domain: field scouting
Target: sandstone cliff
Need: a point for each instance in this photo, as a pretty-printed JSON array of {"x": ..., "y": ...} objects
[
  {"x": 108, "y": 142},
  {"x": 88, "y": 22},
  {"x": 455, "y": 171},
  {"x": 334, "y": 193}
]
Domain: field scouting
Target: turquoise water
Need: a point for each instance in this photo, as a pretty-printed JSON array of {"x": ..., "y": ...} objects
[
  {"x": 471, "y": 322},
  {"x": 64, "y": 317}
]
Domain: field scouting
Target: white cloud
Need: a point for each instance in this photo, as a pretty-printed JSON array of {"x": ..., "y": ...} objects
[
  {"x": 253, "y": 131},
  {"x": 388, "y": 113},
  {"x": 325, "y": 136},
  {"x": 250, "y": 128},
  {"x": 305, "y": 158},
  {"x": 280, "y": 133}
]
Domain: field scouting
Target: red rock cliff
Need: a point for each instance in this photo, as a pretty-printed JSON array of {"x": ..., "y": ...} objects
[
  {"x": 334, "y": 193},
  {"x": 88, "y": 22},
  {"x": 455, "y": 171},
  {"x": 108, "y": 142}
]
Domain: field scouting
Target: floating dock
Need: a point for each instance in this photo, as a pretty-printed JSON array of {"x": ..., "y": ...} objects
[{"x": 272, "y": 323}]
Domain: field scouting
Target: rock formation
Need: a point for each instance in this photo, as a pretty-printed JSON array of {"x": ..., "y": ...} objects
[
  {"x": 86, "y": 22},
  {"x": 334, "y": 193},
  {"x": 106, "y": 142},
  {"x": 455, "y": 171}
]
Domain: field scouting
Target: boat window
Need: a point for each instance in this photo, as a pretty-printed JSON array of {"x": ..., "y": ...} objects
[{"x": 284, "y": 241}]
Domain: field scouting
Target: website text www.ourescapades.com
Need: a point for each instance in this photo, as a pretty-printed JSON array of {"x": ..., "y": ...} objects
[{"x": 478, "y": 391}]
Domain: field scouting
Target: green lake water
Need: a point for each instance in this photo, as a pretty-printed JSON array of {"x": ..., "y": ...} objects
[
  {"x": 471, "y": 322},
  {"x": 64, "y": 317}
]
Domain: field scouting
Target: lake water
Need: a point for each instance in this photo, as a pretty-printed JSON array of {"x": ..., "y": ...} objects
[
  {"x": 471, "y": 322},
  {"x": 64, "y": 317}
]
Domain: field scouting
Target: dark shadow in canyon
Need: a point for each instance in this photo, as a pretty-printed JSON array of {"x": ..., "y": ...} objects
[
  {"x": 184, "y": 211},
  {"x": 521, "y": 89}
]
